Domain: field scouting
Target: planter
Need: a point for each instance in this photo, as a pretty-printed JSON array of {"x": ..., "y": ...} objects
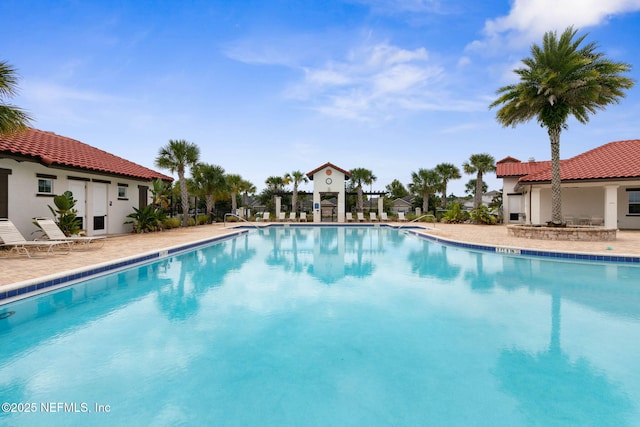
[{"x": 571, "y": 233}]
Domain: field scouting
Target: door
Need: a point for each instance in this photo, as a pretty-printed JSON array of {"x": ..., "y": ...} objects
[
  {"x": 99, "y": 208},
  {"x": 78, "y": 189}
]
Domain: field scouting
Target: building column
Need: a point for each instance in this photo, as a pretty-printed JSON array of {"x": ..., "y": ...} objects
[
  {"x": 278, "y": 207},
  {"x": 535, "y": 206},
  {"x": 380, "y": 205},
  {"x": 317, "y": 213},
  {"x": 611, "y": 206}
]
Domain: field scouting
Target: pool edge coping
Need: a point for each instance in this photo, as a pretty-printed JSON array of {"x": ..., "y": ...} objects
[{"x": 31, "y": 287}]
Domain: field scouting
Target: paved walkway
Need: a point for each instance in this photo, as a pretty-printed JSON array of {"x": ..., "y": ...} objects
[{"x": 18, "y": 269}]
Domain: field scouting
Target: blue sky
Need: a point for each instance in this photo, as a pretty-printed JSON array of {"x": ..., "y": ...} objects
[{"x": 271, "y": 86}]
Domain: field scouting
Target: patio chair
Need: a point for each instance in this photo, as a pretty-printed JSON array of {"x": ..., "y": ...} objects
[
  {"x": 372, "y": 216},
  {"x": 384, "y": 217},
  {"x": 265, "y": 217},
  {"x": 53, "y": 232},
  {"x": 303, "y": 217},
  {"x": 401, "y": 217},
  {"x": 282, "y": 216},
  {"x": 360, "y": 217},
  {"x": 292, "y": 216},
  {"x": 15, "y": 241},
  {"x": 348, "y": 216}
]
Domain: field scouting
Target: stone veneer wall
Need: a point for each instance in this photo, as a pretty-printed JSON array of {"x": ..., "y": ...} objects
[{"x": 593, "y": 234}]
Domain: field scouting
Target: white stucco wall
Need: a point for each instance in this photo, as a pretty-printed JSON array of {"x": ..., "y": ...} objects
[{"x": 25, "y": 204}]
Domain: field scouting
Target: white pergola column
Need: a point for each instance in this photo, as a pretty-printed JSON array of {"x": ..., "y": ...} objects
[
  {"x": 535, "y": 202},
  {"x": 317, "y": 212},
  {"x": 380, "y": 205},
  {"x": 611, "y": 206},
  {"x": 278, "y": 206}
]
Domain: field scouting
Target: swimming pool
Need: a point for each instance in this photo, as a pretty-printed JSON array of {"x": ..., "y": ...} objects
[{"x": 330, "y": 326}]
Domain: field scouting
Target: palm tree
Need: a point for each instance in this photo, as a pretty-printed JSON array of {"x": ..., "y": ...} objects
[
  {"x": 559, "y": 80},
  {"x": 447, "y": 172},
  {"x": 471, "y": 187},
  {"x": 160, "y": 191},
  {"x": 295, "y": 178},
  {"x": 479, "y": 164},
  {"x": 235, "y": 185},
  {"x": 424, "y": 183},
  {"x": 176, "y": 156},
  {"x": 12, "y": 118},
  {"x": 360, "y": 176},
  {"x": 210, "y": 183}
]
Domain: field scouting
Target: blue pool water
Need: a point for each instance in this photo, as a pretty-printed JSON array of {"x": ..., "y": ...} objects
[{"x": 348, "y": 326}]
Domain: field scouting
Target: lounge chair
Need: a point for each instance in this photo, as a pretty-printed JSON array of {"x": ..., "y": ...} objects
[
  {"x": 282, "y": 216},
  {"x": 401, "y": 217},
  {"x": 372, "y": 216},
  {"x": 303, "y": 217},
  {"x": 360, "y": 217},
  {"x": 15, "y": 241},
  {"x": 292, "y": 216},
  {"x": 53, "y": 232},
  {"x": 348, "y": 217},
  {"x": 384, "y": 217},
  {"x": 265, "y": 217}
]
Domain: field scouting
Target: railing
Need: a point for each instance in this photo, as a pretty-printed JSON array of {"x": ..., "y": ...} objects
[
  {"x": 419, "y": 218},
  {"x": 240, "y": 218}
]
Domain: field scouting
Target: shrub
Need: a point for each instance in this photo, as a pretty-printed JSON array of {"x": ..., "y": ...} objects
[
  {"x": 455, "y": 215},
  {"x": 171, "y": 223},
  {"x": 202, "y": 219},
  {"x": 146, "y": 219},
  {"x": 481, "y": 215}
]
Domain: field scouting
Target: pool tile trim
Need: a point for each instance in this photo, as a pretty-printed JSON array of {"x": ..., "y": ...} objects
[
  {"x": 19, "y": 290},
  {"x": 32, "y": 287},
  {"x": 508, "y": 250}
]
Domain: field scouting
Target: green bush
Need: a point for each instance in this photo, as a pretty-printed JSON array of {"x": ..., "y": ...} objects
[
  {"x": 455, "y": 215},
  {"x": 202, "y": 219},
  {"x": 146, "y": 219},
  {"x": 482, "y": 215},
  {"x": 171, "y": 223},
  {"x": 65, "y": 213}
]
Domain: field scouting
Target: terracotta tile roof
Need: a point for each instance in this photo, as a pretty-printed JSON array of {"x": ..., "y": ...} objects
[
  {"x": 347, "y": 174},
  {"x": 620, "y": 159},
  {"x": 514, "y": 167},
  {"x": 55, "y": 150}
]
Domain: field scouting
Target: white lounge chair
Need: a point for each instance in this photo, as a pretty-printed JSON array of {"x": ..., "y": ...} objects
[
  {"x": 384, "y": 217},
  {"x": 372, "y": 216},
  {"x": 53, "y": 232},
  {"x": 282, "y": 216},
  {"x": 348, "y": 216},
  {"x": 401, "y": 217},
  {"x": 360, "y": 217},
  {"x": 265, "y": 217},
  {"x": 15, "y": 241},
  {"x": 303, "y": 217},
  {"x": 292, "y": 216}
]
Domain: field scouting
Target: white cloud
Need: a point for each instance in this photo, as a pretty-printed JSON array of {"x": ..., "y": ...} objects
[{"x": 528, "y": 20}]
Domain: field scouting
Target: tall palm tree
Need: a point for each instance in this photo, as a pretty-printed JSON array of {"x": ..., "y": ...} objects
[
  {"x": 210, "y": 183},
  {"x": 160, "y": 190},
  {"x": 446, "y": 172},
  {"x": 295, "y": 178},
  {"x": 424, "y": 183},
  {"x": 479, "y": 164},
  {"x": 12, "y": 118},
  {"x": 176, "y": 156},
  {"x": 235, "y": 185},
  {"x": 359, "y": 177},
  {"x": 561, "y": 79}
]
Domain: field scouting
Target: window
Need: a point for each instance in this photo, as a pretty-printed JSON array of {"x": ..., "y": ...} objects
[
  {"x": 45, "y": 186},
  {"x": 634, "y": 202},
  {"x": 122, "y": 192}
]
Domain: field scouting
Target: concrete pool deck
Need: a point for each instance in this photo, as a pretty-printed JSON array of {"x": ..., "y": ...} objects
[{"x": 18, "y": 269}]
